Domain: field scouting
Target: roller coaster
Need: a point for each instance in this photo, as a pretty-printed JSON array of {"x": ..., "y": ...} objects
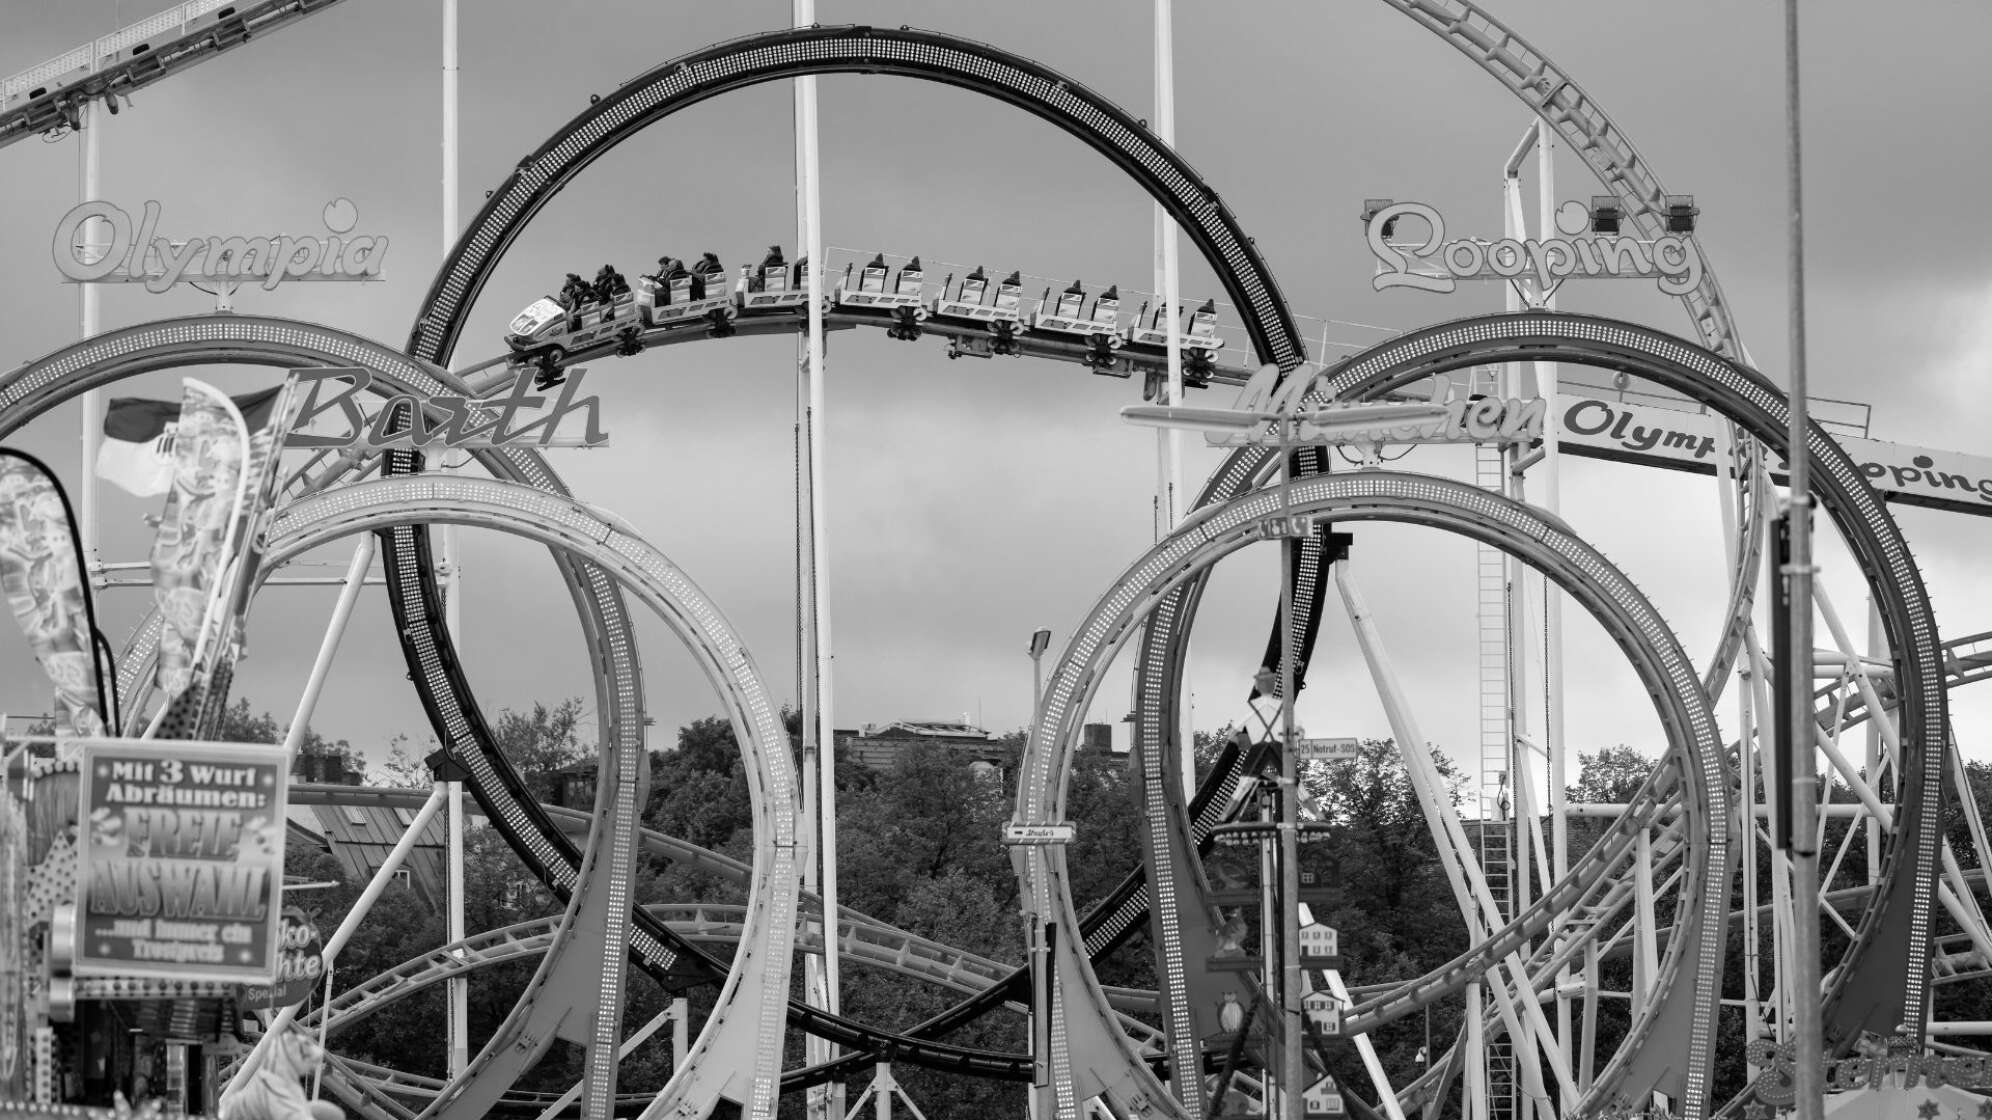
[{"x": 1659, "y": 882}]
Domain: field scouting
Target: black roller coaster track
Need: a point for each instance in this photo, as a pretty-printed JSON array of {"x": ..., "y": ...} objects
[
  {"x": 1881, "y": 986},
  {"x": 983, "y": 69}
]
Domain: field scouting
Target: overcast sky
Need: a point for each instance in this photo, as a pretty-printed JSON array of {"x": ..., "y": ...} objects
[{"x": 973, "y": 501}]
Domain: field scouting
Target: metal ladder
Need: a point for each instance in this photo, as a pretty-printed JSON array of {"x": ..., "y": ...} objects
[{"x": 1495, "y": 849}]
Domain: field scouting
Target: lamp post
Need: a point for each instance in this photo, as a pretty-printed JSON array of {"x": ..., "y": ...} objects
[
  {"x": 1290, "y": 429},
  {"x": 1040, "y": 641}
]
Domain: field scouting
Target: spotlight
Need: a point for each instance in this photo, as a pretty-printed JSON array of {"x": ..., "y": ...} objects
[
  {"x": 1681, "y": 213},
  {"x": 1605, "y": 213},
  {"x": 1374, "y": 206}
]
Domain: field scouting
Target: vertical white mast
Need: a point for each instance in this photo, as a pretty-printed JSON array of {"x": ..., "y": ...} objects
[
  {"x": 458, "y": 988},
  {"x": 822, "y": 719},
  {"x": 87, "y": 295},
  {"x": 1169, "y": 502}
]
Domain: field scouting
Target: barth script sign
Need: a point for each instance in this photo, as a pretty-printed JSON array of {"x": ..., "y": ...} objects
[
  {"x": 181, "y": 868},
  {"x": 136, "y": 255},
  {"x": 406, "y": 420}
]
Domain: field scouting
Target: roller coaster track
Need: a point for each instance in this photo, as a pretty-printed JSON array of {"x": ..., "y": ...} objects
[
  {"x": 756, "y": 991},
  {"x": 48, "y": 96},
  {"x": 1680, "y": 702},
  {"x": 1881, "y": 985},
  {"x": 706, "y": 73},
  {"x": 925, "y": 55},
  {"x": 1461, "y": 28}
]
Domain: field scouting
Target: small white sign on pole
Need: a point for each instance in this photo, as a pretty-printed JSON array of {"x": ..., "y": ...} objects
[
  {"x": 1328, "y": 750},
  {"x": 1014, "y": 833}
]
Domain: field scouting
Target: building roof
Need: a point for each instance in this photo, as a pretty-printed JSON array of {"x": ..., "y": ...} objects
[
  {"x": 927, "y": 729},
  {"x": 360, "y": 835}
]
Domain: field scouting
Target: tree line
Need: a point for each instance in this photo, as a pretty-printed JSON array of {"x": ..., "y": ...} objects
[{"x": 920, "y": 850}]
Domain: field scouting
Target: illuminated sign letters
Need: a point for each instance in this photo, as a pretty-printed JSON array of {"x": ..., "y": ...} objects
[
  {"x": 1438, "y": 265},
  {"x": 135, "y": 254},
  {"x": 409, "y": 421},
  {"x": 1776, "y": 1086},
  {"x": 1467, "y": 419}
]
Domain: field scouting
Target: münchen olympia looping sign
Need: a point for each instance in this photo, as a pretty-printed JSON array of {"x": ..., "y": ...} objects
[{"x": 136, "y": 253}]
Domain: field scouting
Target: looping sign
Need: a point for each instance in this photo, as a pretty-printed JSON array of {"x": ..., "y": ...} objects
[{"x": 1437, "y": 264}]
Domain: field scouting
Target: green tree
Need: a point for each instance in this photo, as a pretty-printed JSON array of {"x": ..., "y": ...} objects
[
  {"x": 1610, "y": 776},
  {"x": 540, "y": 742},
  {"x": 401, "y": 770}
]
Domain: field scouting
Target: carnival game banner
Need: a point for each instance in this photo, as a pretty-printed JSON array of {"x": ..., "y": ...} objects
[{"x": 181, "y": 874}]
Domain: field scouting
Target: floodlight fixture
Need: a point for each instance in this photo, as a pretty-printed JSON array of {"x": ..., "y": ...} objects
[
  {"x": 1681, "y": 213},
  {"x": 1606, "y": 213},
  {"x": 1374, "y": 206}
]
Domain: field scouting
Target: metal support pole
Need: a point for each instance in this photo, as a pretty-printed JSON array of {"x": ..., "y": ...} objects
[
  {"x": 1170, "y": 501},
  {"x": 1795, "y": 679},
  {"x": 1550, "y": 496},
  {"x": 1292, "y": 1070},
  {"x": 809, "y": 221},
  {"x": 674, "y": 1014},
  {"x": 87, "y": 306},
  {"x": 381, "y": 878},
  {"x": 1366, "y": 1050},
  {"x": 1877, "y": 647},
  {"x": 328, "y": 647},
  {"x": 457, "y": 989}
]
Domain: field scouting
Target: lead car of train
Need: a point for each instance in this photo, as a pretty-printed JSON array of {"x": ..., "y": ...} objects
[{"x": 698, "y": 296}]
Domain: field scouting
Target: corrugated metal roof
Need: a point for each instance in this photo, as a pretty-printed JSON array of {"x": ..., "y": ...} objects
[{"x": 360, "y": 836}]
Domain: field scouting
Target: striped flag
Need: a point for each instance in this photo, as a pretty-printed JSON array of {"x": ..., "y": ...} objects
[{"x": 137, "y": 452}]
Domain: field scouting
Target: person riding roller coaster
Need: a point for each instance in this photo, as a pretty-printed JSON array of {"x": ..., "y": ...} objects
[
  {"x": 575, "y": 294},
  {"x": 671, "y": 271},
  {"x": 708, "y": 276},
  {"x": 609, "y": 286}
]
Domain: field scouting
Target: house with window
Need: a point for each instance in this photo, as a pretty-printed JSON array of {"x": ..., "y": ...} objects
[{"x": 359, "y": 833}]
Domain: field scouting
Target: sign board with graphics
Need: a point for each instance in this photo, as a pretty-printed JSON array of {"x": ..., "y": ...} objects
[
  {"x": 442, "y": 421},
  {"x": 1328, "y": 750},
  {"x": 1014, "y": 833},
  {"x": 180, "y": 867},
  {"x": 1881, "y": 1069},
  {"x": 1273, "y": 413},
  {"x": 1651, "y": 435},
  {"x": 134, "y": 253},
  {"x": 300, "y": 964},
  {"x": 1437, "y": 264}
]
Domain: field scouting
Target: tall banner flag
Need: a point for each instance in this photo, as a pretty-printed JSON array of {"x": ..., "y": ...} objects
[
  {"x": 260, "y": 493},
  {"x": 210, "y": 449},
  {"x": 137, "y": 452},
  {"x": 42, "y": 577}
]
